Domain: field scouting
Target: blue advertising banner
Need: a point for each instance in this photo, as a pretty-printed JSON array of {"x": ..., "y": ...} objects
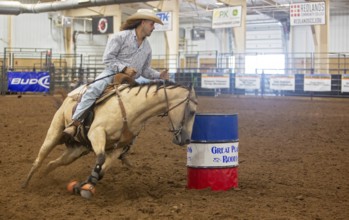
[{"x": 28, "y": 81}]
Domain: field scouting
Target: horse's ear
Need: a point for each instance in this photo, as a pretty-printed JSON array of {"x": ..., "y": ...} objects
[{"x": 190, "y": 85}]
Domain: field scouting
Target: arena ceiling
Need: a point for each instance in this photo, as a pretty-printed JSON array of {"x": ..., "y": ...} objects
[{"x": 198, "y": 12}]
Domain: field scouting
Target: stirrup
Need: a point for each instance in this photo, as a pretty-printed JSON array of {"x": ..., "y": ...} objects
[{"x": 70, "y": 131}]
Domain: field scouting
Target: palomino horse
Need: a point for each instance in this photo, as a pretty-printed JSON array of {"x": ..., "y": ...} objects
[{"x": 117, "y": 121}]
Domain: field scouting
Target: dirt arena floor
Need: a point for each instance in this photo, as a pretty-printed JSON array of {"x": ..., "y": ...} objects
[{"x": 293, "y": 152}]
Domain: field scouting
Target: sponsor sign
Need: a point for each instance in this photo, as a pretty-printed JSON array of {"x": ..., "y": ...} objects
[
  {"x": 215, "y": 82},
  {"x": 166, "y": 18},
  {"x": 226, "y": 17},
  {"x": 317, "y": 82},
  {"x": 282, "y": 82},
  {"x": 345, "y": 83},
  {"x": 28, "y": 81},
  {"x": 247, "y": 81},
  {"x": 308, "y": 13},
  {"x": 102, "y": 25},
  {"x": 213, "y": 154}
]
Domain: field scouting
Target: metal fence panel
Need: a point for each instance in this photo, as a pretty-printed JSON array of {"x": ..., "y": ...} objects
[{"x": 68, "y": 70}]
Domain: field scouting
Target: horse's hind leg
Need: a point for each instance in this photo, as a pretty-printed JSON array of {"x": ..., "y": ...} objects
[
  {"x": 45, "y": 149},
  {"x": 53, "y": 138},
  {"x": 69, "y": 156}
]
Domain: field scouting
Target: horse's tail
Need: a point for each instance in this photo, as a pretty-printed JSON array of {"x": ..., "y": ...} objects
[{"x": 62, "y": 93}]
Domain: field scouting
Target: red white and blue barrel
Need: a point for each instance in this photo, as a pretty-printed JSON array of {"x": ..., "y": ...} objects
[{"x": 212, "y": 155}]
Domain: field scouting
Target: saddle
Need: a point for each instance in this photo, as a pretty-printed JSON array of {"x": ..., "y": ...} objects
[{"x": 120, "y": 82}]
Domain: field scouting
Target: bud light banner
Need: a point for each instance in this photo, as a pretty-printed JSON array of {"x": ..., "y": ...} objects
[{"x": 28, "y": 81}]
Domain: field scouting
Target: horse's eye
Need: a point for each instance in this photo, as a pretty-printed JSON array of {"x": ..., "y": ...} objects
[{"x": 192, "y": 112}]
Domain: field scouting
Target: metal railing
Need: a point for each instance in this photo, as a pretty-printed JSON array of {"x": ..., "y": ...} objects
[{"x": 188, "y": 68}]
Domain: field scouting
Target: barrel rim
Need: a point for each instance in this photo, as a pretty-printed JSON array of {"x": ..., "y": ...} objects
[
  {"x": 212, "y": 167},
  {"x": 214, "y": 141},
  {"x": 216, "y": 114}
]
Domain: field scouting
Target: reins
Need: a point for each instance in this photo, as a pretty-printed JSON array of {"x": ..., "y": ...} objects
[{"x": 173, "y": 107}]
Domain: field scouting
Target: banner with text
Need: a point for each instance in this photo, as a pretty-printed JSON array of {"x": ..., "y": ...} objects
[
  {"x": 317, "y": 82},
  {"x": 166, "y": 18},
  {"x": 345, "y": 83},
  {"x": 213, "y": 154},
  {"x": 282, "y": 82},
  {"x": 226, "y": 17},
  {"x": 215, "y": 82},
  {"x": 28, "y": 81},
  {"x": 308, "y": 13},
  {"x": 247, "y": 81}
]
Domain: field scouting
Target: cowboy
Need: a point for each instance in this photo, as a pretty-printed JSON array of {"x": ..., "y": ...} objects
[{"x": 128, "y": 52}]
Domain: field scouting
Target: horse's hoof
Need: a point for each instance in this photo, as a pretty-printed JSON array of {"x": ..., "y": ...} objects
[
  {"x": 72, "y": 186},
  {"x": 87, "y": 190}
]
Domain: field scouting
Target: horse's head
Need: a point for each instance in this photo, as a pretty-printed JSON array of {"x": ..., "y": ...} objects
[{"x": 182, "y": 116}]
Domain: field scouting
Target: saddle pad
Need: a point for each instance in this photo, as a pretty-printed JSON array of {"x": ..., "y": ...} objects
[
  {"x": 110, "y": 90},
  {"x": 78, "y": 92}
]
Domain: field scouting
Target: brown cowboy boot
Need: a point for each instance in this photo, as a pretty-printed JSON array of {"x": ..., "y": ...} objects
[{"x": 72, "y": 128}]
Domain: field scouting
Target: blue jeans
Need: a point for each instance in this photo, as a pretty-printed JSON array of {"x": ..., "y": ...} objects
[{"x": 93, "y": 92}]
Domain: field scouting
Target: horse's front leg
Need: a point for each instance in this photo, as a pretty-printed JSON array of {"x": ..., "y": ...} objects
[
  {"x": 125, "y": 150},
  {"x": 86, "y": 189},
  {"x": 120, "y": 153},
  {"x": 123, "y": 156}
]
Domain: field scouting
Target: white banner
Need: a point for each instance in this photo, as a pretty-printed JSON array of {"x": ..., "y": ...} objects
[
  {"x": 226, "y": 17},
  {"x": 345, "y": 83},
  {"x": 282, "y": 82},
  {"x": 213, "y": 155},
  {"x": 317, "y": 82},
  {"x": 308, "y": 13},
  {"x": 215, "y": 82},
  {"x": 166, "y": 18},
  {"x": 247, "y": 81}
]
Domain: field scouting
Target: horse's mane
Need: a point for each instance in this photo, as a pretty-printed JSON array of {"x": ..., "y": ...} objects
[{"x": 158, "y": 84}]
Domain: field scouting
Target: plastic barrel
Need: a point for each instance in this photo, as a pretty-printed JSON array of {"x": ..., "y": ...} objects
[{"x": 212, "y": 155}]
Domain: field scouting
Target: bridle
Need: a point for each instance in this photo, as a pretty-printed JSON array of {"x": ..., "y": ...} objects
[{"x": 177, "y": 131}]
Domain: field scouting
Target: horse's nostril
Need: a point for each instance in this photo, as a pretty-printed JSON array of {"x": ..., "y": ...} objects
[{"x": 187, "y": 141}]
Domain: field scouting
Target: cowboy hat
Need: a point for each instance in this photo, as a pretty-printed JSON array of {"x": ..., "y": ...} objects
[{"x": 145, "y": 14}]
